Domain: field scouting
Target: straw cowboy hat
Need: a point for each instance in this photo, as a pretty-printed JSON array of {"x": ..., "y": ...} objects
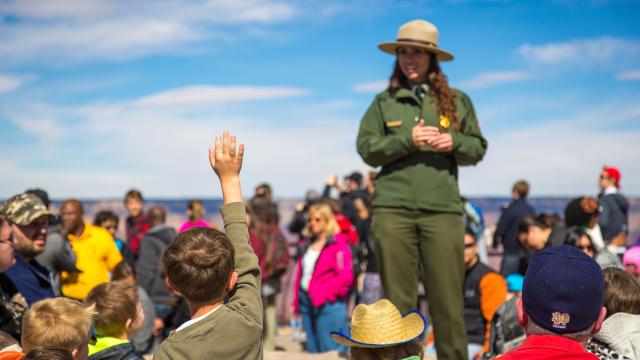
[
  {"x": 379, "y": 325},
  {"x": 417, "y": 33}
]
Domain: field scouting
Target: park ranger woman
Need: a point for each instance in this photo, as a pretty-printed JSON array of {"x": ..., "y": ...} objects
[{"x": 420, "y": 130}]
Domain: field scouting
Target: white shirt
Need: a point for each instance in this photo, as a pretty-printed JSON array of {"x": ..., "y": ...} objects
[
  {"x": 308, "y": 265},
  {"x": 193, "y": 321}
]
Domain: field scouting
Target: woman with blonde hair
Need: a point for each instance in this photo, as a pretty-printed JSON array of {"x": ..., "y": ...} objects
[
  {"x": 419, "y": 130},
  {"x": 195, "y": 216},
  {"x": 323, "y": 279}
]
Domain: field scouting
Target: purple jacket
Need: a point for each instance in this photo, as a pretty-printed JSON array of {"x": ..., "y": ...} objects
[{"x": 332, "y": 276}]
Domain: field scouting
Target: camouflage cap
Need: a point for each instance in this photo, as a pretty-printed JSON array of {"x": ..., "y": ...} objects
[{"x": 23, "y": 209}]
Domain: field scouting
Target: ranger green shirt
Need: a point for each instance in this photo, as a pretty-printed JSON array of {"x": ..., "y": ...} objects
[
  {"x": 412, "y": 178},
  {"x": 233, "y": 331}
]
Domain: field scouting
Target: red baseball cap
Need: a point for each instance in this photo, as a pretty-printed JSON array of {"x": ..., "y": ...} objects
[{"x": 613, "y": 173}]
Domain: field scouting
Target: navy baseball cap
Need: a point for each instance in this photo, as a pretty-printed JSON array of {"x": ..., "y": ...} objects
[{"x": 563, "y": 290}]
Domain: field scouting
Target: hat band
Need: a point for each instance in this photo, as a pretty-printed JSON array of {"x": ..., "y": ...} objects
[{"x": 421, "y": 42}]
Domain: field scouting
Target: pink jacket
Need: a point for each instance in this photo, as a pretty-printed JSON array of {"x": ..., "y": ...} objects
[
  {"x": 198, "y": 223},
  {"x": 332, "y": 276}
]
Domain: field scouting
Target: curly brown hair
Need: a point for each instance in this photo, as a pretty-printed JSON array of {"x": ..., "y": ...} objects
[{"x": 439, "y": 89}]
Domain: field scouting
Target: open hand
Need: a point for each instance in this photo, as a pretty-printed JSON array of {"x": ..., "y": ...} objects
[{"x": 225, "y": 159}]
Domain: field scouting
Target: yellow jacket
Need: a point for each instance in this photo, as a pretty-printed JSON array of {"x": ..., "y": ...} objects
[{"x": 96, "y": 256}]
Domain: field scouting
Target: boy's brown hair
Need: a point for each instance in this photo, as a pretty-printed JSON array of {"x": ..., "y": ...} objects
[
  {"x": 621, "y": 292},
  {"x": 115, "y": 303},
  {"x": 199, "y": 263},
  {"x": 57, "y": 322}
]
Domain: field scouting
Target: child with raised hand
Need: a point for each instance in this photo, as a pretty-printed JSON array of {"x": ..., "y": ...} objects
[{"x": 205, "y": 265}]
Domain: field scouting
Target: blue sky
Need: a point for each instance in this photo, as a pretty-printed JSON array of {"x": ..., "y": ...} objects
[{"x": 102, "y": 95}]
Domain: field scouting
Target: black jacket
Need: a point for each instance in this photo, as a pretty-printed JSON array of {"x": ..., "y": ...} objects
[
  {"x": 614, "y": 215},
  {"x": 152, "y": 246},
  {"x": 507, "y": 228},
  {"x": 12, "y": 307},
  {"x": 118, "y": 352}
]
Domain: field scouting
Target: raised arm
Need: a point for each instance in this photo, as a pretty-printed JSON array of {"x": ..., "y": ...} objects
[{"x": 226, "y": 162}]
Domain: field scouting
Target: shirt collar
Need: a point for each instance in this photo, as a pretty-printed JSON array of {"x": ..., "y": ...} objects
[
  {"x": 610, "y": 190},
  {"x": 196, "y": 320},
  {"x": 552, "y": 341}
]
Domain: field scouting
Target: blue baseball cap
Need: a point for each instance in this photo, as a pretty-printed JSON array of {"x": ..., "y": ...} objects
[{"x": 563, "y": 290}]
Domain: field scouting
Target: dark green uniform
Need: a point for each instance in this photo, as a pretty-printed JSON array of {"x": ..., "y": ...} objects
[{"x": 417, "y": 212}]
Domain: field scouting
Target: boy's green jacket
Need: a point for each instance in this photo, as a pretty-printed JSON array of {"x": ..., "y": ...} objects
[
  {"x": 417, "y": 178},
  {"x": 234, "y": 330}
]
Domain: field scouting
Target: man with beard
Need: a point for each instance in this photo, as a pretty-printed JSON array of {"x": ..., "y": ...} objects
[
  {"x": 96, "y": 252},
  {"x": 28, "y": 218}
]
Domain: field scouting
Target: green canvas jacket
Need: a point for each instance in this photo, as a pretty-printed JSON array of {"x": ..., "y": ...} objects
[
  {"x": 417, "y": 178},
  {"x": 233, "y": 331}
]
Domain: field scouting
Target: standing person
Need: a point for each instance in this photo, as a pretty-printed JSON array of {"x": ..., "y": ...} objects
[
  {"x": 28, "y": 218},
  {"x": 150, "y": 275},
  {"x": 96, "y": 253},
  {"x": 507, "y": 229},
  {"x": 195, "y": 216},
  {"x": 614, "y": 217},
  {"x": 270, "y": 246},
  {"x": 323, "y": 279},
  {"x": 57, "y": 255},
  {"x": 136, "y": 221},
  {"x": 420, "y": 130}
]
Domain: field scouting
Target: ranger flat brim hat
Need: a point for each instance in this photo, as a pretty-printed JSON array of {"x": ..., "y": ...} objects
[{"x": 420, "y": 34}]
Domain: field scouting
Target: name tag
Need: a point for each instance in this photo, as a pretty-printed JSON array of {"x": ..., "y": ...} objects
[{"x": 391, "y": 124}]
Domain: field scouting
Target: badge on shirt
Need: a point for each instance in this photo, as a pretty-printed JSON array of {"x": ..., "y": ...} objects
[
  {"x": 444, "y": 122},
  {"x": 391, "y": 124}
]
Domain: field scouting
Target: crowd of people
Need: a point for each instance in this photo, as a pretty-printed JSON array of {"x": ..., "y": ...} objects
[{"x": 394, "y": 265}]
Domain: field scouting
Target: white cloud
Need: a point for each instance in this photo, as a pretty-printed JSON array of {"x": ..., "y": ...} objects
[
  {"x": 602, "y": 50},
  {"x": 489, "y": 79},
  {"x": 371, "y": 86},
  {"x": 64, "y": 30},
  {"x": 206, "y": 95},
  {"x": 9, "y": 83},
  {"x": 631, "y": 75},
  {"x": 560, "y": 155}
]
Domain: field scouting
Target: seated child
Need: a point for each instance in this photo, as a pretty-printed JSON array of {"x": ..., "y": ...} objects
[
  {"x": 56, "y": 322},
  {"x": 143, "y": 339},
  {"x": 119, "y": 315},
  {"x": 379, "y": 332},
  {"x": 205, "y": 265}
]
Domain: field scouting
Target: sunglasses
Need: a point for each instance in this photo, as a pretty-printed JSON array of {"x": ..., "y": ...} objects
[
  {"x": 317, "y": 219},
  {"x": 467, "y": 246}
]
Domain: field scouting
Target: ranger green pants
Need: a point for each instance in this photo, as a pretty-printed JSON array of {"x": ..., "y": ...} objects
[{"x": 403, "y": 239}]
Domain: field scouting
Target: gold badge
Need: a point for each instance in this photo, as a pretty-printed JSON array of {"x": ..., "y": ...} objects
[
  {"x": 444, "y": 122},
  {"x": 391, "y": 124},
  {"x": 560, "y": 320}
]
